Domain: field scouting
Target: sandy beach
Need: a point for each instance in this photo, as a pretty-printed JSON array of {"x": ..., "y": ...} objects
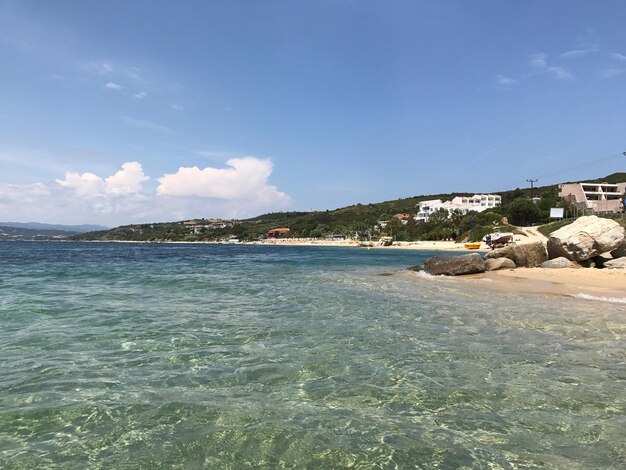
[
  {"x": 529, "y": 235},
  {"x": 421, "y": 245},
  {"x": 581, "y": 282}
]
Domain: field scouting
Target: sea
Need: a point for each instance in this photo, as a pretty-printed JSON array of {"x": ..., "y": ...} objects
[{"x": 197, "y": 356}]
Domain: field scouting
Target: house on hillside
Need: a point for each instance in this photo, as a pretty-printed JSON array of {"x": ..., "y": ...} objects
[
  {"x": 404, "y": 217},
  {"x": 277, "y": 232},
  {"x": 599, "y": 197}
]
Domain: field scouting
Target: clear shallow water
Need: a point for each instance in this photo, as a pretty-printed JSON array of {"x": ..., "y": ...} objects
[{"x": 201, "y": 356}]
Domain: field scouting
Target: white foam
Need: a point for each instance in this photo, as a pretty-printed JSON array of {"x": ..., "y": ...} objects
[{"x": 615, "y": 300}]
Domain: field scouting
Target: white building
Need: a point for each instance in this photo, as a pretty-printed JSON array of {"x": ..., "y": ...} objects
[
  {"x": 463, "y": 204},
  {"x": 479, "y": 202},
  {"x": 425, "y": 208}
]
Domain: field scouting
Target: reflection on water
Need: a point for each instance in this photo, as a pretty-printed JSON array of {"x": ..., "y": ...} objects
[{"x": 152, "y": 356}]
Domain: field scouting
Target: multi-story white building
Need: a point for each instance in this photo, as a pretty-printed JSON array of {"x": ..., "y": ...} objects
[
  {"x": 600, "y": 197},
  {"x": 464, "y": 204},
  {"x": 425, "y": 208},
  {"x": 478, "y": 202}
]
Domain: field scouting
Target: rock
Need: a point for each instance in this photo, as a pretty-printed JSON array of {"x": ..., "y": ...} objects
[
  {"x": 455, "y": 265},
  {"x": 529, "y": 255},
  {"x": 600, "y": 260},
  {"x": 619, "y": 263},
  {"x": 499, "y": 263},
  {"x": 620, "y": 251},
  {"x": 559, "y": 263},
  {"x": 586, "y": 238},
  {"x": 415, "y": 268}
]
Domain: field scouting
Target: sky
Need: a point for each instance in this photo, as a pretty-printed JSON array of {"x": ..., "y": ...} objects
[{"x": 124, "y": 112}]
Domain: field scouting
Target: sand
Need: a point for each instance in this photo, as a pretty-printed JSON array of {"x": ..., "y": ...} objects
[
  {"x": 581, "y": 282},
  {"x": 423, "y": 245}
]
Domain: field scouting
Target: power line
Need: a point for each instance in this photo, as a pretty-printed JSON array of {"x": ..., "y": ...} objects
[
  {"x": 531, "y": 181},
  {"x": 581, "y": 165}
]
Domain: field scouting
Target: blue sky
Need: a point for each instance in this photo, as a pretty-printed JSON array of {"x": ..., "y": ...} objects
[{"x": 117, "y": 112}]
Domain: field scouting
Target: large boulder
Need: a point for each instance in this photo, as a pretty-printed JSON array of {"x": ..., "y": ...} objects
[
  {"x": 585, "y": 238},
  {"x": 529, "y": 255},
  {"x": 559, "y": 263},
  {"x": 455, "y": 265},
  {"x": 620, "y": 251},
  {"x": 619, "y": 263},
  {"x": 499, "y": 263}
]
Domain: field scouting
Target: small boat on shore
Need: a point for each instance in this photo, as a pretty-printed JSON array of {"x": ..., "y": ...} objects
[{"x": 472, "y": 246}]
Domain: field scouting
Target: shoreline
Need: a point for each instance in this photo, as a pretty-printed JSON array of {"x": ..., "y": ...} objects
[
  {"x": 584, "y": 283},
  {"x": 421, "y": 245}
]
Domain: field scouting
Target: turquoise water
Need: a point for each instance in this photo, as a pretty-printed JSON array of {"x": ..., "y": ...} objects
[{"x": 233, "y": 357}]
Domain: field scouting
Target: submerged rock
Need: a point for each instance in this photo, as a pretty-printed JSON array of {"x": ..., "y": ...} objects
[
  {"x": 416, "y": 268},
  {"x": 455, "y": 265},
  {"x": 499, "y": 263},
  {"x": 585, "y": 238},
  {"x": 559, "y": 263},
  {"x": 529, "y": 255}
]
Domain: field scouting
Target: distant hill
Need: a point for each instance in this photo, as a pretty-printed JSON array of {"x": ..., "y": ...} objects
[
  {"x": 19, "y": 233},
  {"x": 66, "y": 228},
  {"x": 357, "y": 218},
  {"x": 612, "y": 179}
]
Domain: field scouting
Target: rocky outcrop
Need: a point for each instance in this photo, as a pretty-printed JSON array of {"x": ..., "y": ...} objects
[
  {"x": 619, "y": 263},
  {"x": 499, "y": 263},
  {"x": 530, "y": 255},
  {"x": 559, "y": 263},
  {"x": 455, "y": 265},
  {"x": 585, "y": 238},
  {"x": 620, "y": 251}
]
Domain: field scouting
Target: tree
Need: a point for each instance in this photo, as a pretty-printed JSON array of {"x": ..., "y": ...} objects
[{"x": 522, "y": 211}]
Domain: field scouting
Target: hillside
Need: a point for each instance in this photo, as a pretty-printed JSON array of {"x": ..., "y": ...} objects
[
  {"x": 18, "y": 233},
  {"x": 58, "y": 227},
  {"x": 357, "y": 220}
]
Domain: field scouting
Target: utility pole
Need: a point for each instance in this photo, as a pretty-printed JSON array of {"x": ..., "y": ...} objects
[{"x": 531, "y": 181}]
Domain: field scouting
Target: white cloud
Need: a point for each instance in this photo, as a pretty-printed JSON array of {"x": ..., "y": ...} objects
[
  {"x": 176, "y": 107},
  {"x": 141, "y": 95},
  {"x": 86, "y": 185},
  {"x": 26, "y": 192},
  {"x": 100, "y": 67},
  {"x": 140, "y": 123},
  {"x": 244, "y": 180},
  {"x": 538, "y": 61},
  {"x": 560, "y": 73},
  {"x": 113, "y": 86},
  {"x": 574, "y": 53},
  {"x": 619, "y": 57},
  {"x": 580, "y": 51},
  {"x": 126, "y": 181},
  {"x": 239, "y": 191},
  {"x": 504, "y": 80}
]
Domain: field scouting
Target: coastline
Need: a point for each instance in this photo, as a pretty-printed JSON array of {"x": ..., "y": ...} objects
[
  {"x": 589, "y": 283},
  {"x": 421, "y": 245}
]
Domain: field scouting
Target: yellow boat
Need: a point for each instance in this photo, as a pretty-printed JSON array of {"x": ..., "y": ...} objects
[{"x": 472, "y": 246}]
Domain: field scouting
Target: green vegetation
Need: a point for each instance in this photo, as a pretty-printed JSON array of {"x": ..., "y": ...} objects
[
  {"x": 547, "y": 229},
  {"x": 361, "y": 221}
]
